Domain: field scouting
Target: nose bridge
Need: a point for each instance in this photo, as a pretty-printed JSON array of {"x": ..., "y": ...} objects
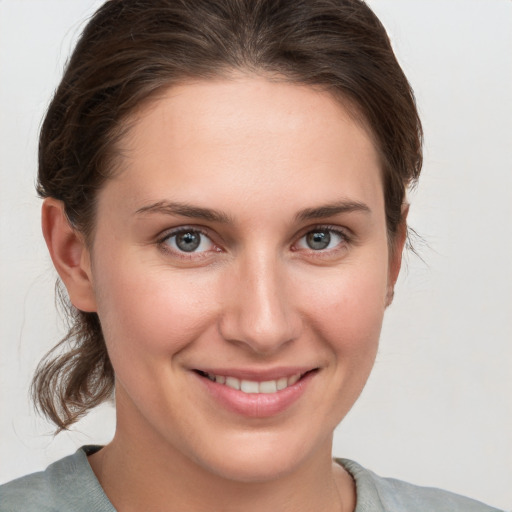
[{"x": 260, "y": 312}]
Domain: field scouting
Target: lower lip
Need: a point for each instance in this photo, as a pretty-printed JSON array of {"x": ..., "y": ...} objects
[{"x": 257, "y": 405}]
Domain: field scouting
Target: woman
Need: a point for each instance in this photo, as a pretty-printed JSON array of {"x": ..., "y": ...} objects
[{"x": 224, "y": 189}]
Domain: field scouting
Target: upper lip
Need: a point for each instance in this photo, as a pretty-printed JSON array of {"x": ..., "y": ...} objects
[{"x": 258, "y": 375}]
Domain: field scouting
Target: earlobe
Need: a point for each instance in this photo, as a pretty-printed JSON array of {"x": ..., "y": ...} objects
[
  {"x": 395, "y": 259},
  {"x": 69, "y": 254}
]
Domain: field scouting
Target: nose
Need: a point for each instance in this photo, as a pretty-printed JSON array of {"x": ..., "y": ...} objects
[{"x": 259, "y": 310}]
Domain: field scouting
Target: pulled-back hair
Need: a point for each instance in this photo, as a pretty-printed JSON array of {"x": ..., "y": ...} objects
[{"x": 131, "y": 49}]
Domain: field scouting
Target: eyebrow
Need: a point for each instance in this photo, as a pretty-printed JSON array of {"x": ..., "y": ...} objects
[
  {"x": 197, "y": 212},
  {"x": 331, "y": 209},
  {"x": 185, "y": 210}
]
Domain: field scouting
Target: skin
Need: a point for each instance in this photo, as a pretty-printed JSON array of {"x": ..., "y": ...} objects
[{"x": 254, "y": 296}]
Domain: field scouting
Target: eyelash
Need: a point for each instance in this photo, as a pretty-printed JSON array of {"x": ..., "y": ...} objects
[
  {"x": 163, "y": 241},
  {"x": 163, "y": 244},
  {"x": 345, "y": 240}
]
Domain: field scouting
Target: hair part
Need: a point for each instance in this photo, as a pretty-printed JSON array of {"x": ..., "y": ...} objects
[{"x": 131, "y": 49}]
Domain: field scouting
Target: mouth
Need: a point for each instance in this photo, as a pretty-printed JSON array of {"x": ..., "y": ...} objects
[
  {"x": 256, "y": 386},
  {"x": 255, "y": 393}
]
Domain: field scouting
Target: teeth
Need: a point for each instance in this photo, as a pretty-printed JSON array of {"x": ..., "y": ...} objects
[
  {"x": 251, "y": 386},
  {"x": 269, "y": 386},
  {"x": 282, "y": 383},
  {"x": 293, "y": 379},
  {"x": 232, "y": 382}
]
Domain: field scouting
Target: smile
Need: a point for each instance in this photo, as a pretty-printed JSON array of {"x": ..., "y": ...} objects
[
  {"x": 256, "y": 394},
  {"x": 252, "y": 386}
]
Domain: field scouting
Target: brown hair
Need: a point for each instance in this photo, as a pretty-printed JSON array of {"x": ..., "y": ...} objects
[{"x": 132, "y": 48}]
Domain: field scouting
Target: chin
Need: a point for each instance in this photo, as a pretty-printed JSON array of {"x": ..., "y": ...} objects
[
  {"x": 256, "y": 469},
  {"x": 260, "y": 458}
]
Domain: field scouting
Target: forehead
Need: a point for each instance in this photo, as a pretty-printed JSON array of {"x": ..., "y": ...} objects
[{"x": 247, "y": 135}]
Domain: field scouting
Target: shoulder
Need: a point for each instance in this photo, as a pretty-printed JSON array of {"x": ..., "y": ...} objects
[
  {"x": 68, "y": 484},
  {"x": 31, "y": 492},
  {"x": 377, "y": 494}
]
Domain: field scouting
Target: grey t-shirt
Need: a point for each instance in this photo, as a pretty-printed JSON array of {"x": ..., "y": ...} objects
[{"x": 70, "y": 485}]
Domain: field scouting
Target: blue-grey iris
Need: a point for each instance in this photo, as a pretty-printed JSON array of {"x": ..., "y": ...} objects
[
  {"x": 318, "y": 240},
  {"x": 188, "y": 241}
]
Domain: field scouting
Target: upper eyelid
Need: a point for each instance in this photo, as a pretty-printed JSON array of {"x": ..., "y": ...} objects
[
  {"x": 344, "y": 232},
  {"x": 168, "y": 233}
]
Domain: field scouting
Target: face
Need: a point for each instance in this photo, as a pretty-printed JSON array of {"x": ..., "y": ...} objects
[{"x": 240, "y": 270}]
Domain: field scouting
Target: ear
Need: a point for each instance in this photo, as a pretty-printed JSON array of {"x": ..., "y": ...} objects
[
  {"x": 69, "y": 254},
  {"x": 395, "y": 256}
]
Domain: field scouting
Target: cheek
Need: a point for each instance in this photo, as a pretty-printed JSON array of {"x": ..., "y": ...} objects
[
  {"x": 151, "y": 313},
  {"x": 347, "y": 307}
]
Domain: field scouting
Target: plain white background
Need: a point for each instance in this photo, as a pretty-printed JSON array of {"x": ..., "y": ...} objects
[{"x": 438, "y": 408}]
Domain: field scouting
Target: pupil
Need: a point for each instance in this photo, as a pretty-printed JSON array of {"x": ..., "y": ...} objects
[
  {"x": 318, "y": 239},
  {"x": 188, "y": 242}
]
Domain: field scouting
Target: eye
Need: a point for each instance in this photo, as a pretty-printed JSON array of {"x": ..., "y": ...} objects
[
  {"x": 188, "y": 241},
  {"x": 322, "y": 239}
]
